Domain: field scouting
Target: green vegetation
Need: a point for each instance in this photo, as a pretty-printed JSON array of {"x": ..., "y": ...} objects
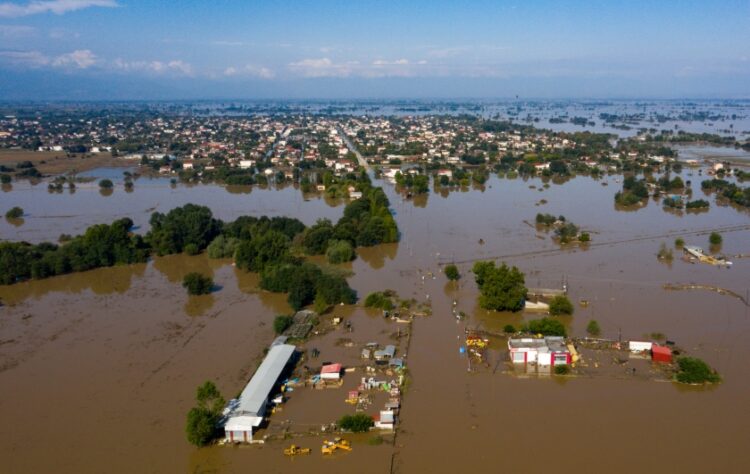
[
  {"x": 548, "y": 219},
  {"x": 501, "y": 288},
  {"x": 106, "y": 184},
  {"x": 593, "y": 329},
  {"x": 202, "y": 425},
  {"x": 380, "y": 299},
  {"x": 584, "y": 237},
  {"x": 451, "y": 272},
  {"x": 679, "y": 242},
  {"x": 694, "y": 371},
  {"x": 566, "y": 232},
  {"x": 101, "y": 245},
  {"x": 222, "y": 247},
  {"x": 357, "y": 423},
  {"x": 560, "y": 305},
  {"x": 197, "y": 284},
  {"x": 562, "y": 370},
  {"x": 14, "y": 213},
  {"x": 545, "y": 327},
  {"x": 191, "y": 249},
  {"x": 633, "y": 192},
  {"x": 304, "y": 282},
  {"x": 5, "y": 178},
  {"x": 697, "y": 204},
  {"x": 419, "y": 184},
  {"x": 340, "y": 251},
  {"x": 189, "y": 224},
  {"x": 282, "y": 322},
  {"x": 715, "y": 238},
  {"x": 730, "y": 191},
  {"x": 509, "y": 329}
]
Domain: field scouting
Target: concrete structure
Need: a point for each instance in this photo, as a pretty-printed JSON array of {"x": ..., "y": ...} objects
[
  {"x": 546, "y": 351},
  {"x": 245, "y": 414}
]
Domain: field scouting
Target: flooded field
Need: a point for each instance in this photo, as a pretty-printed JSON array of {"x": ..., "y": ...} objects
[{"x": 103, "y": 365}]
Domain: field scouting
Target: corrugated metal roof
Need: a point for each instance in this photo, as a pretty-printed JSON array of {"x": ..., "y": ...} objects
[{"x": 255, "y": 394}]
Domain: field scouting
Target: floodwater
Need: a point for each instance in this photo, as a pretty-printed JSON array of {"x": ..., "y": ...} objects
[{"x": 98, "y": 369}]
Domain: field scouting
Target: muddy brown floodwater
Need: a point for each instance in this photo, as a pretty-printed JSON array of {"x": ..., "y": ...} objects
[{"x": 98, "y": 369}]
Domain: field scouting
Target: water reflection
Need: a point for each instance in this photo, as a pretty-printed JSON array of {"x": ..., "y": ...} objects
[
  {"x": 102, "y": 281},
  {"x": 175, "y": 267},
  {"x": 15, "y": 221},
  {"x": 199, "y": 305},
  {"x": 375, "y": 256}
]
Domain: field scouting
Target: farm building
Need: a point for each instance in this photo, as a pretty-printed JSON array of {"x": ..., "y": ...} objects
[
  {"x": 550, "y": 350},
  {"x": 245, "y": 414},
  {"x": 331, "y": 372},
  {"x": 661, "y": 354}
]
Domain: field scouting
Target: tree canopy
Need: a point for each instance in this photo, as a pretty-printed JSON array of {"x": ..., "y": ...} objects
[{"x": 501, "y": 288}]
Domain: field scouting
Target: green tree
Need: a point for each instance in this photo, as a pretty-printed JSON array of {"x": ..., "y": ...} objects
[
  {"x": 545, "y": 327},
  {"x": 106, "y": 184},
  {"x": 202, "y": 425},
  {"x": 560, "y": 305},
  {"x": 451, "y": 272},
  {"x": 357, "y": 423},
  {"x": 197, "y": 284},
  {"x": 593, "y": 329},
  {"x": 14, "y": 213},
  {"x": 501, "y": 288},
  {"x": 282, "y": 322},
  {"x": 339, "y": 251},
  {"x": 715, "y": 238},
  {"x": 189, "y": 224}
]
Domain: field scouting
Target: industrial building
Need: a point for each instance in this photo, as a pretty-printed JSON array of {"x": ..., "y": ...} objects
[
  {"x": 550, "y": 350},
  {"x": 245, "y": 414}
]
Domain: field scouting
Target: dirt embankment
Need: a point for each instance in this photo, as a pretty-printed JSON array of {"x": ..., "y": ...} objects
[{"x": 59, "y": 162}]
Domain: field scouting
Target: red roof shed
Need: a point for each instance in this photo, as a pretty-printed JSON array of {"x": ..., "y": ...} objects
[{"x": 661, "y": 354}]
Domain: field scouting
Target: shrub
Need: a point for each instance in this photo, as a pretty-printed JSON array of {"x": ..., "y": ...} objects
[
  {"x": 560, "y": 305},
  {"x": 106, "y": 184},
  {"x": 451, "y": 271},
  {"x": 584, "y": 237},
  {"x": 191, "y": 249},
  {"x": 545, "y": 219},
  {"x": 665, "y": 253},
  {"x": 197, "y": 284},
  {"x": 562, "y": 370},
  {"x": 14, "y": 213},
  {"x": 509, "y": 329},
  {"x": 358, "y": 423},
  {"x": 545, "y": 327},
  {"x": 379, "y": 299},
  {"x": 715, "y": 238},
  {"x": 5, "y": 178},
  {"x": 203, "y": 419},
  {"x": 679, "y": 242},
  {"x": 339, "y": 251},
  {"x": 282, "y": 322},
  {"x": 222, "y": 247},
  {"x": 593, "y": 329},
  {"x": 694, "y": 371}
]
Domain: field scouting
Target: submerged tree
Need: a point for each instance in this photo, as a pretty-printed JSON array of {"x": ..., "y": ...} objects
[{"x": 203, "y": 419}]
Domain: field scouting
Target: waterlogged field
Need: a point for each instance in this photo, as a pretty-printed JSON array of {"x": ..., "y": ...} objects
[{"x": 103, "y": 365}]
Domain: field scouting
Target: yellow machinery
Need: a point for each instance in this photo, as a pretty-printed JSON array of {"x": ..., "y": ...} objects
[
  {"x": 294, "y": 450},
  {"x": 476, "y": 341},
  {"x": 329, "y": 447}
]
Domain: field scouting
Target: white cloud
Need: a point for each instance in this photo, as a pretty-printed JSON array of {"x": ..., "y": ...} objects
[
  {"x": 398, "y": 62},
  {"x": 322, "y": 67},
  {"x": 175, "y": 66},
  {"x": 58, "y": 7},
  {"x": 250, "y": 70},
  {"x": 16, "y": 31},
  {"x": 80, "y": 58},
  {"x": 31, "y": 59}
]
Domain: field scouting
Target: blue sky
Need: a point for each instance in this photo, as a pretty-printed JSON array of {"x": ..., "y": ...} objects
[{"x": 124, "y": 49}]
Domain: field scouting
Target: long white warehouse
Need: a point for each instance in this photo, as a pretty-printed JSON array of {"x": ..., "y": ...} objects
[{"x": 246, "y": 414}]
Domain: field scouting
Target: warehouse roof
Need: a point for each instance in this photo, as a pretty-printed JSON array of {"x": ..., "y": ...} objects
[{"x": 254, "y": 396}]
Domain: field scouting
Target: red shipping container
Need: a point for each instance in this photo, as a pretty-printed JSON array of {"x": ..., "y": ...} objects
[{"x": 661, "y": 354}]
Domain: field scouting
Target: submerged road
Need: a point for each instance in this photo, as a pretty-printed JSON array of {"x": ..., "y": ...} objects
[{"x": 353, "y": 149}]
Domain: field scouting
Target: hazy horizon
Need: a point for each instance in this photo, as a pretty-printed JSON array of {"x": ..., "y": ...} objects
[{"x": 123, "y": 50}]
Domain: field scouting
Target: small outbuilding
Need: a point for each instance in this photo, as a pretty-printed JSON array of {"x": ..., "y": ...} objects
[
  {"x": 661, "y": 354},
  {"x": 331, "y": 372}
]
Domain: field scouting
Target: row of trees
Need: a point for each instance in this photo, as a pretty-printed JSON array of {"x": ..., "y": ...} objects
[{"x": 501, "y": 288}]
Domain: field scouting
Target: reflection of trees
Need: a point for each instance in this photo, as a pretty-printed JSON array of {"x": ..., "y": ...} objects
[
  {"x": 198, "y": 305},
  {"x": 238, "y": 189},
  {"x": 106, "y": 191},
  {"x": 247, "y": 282},
  {"x": 420, "y": 200},
  {"x": 101, "y": 281},
  {"x": 15, "y": 221},
  {"x": 175, "y": 267},
  {"x": 6, "y": 187},
  {"x": 375, "y": 256}
]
